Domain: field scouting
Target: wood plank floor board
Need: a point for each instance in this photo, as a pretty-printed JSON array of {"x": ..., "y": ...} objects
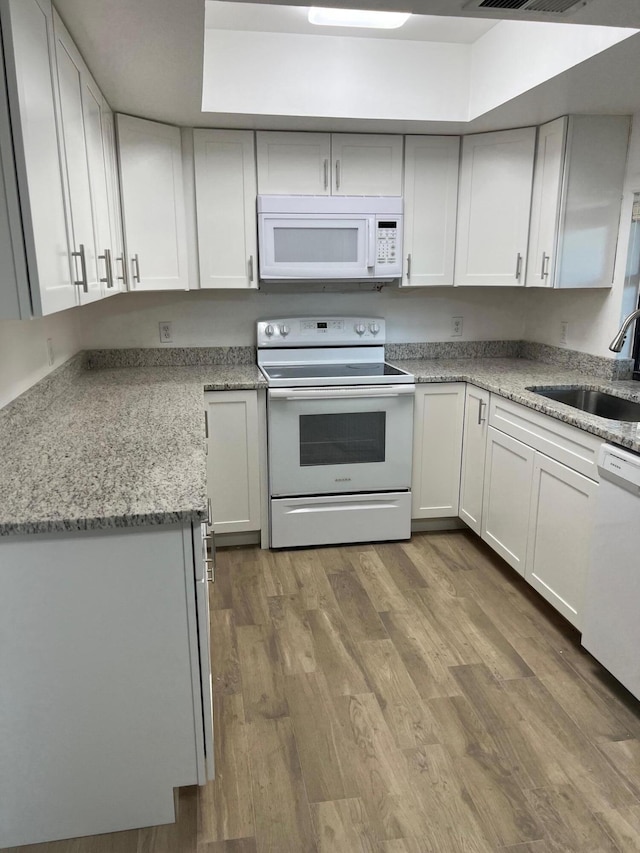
[
  {"x": 336, "y": 653},
  {"x": 595, "y": 777},
  {"x": 413, "y": 697},
  {"x": 248, "y": 591},
  {"x": 282, "y": 813},
  {"x": 410, "y": 721},
  {"x": 320, "y": 739},
  {"x": 401, "y": 569},
  {"x": 377, "y": 581},
  {"x": 437, "y": 783},
  {"x": 622, "y": 825},
  {"x": 225, "y": 807},
  {"x": 342, "y": 826},
  {"x": 292, "y": 634},
  {"x": 261, "y": 670},
  {"x": 569, "y": 823},
  {"x": 380, "y": 770},
  {"x": 420, "y": 653},
  {"x": 225, "y": 663},
  {"x": 357, "y": 609}
]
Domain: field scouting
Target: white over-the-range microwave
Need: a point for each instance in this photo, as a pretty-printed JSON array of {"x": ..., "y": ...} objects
[{"x": 330, "y": 237}]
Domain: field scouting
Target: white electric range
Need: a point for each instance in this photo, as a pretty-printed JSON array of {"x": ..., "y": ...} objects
[{"x": 340, "y": 428}]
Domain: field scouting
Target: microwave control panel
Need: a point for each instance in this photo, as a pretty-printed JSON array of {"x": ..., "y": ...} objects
[{"x": 387, "y": 240}]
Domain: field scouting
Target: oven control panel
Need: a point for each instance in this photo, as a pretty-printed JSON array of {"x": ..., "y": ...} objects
[{"x": 320, "y": 331}]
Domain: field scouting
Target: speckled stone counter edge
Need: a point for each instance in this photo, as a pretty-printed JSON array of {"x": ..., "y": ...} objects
[
  {"x": 168, "y": 357},
  {"x": 594, "y": 365}
]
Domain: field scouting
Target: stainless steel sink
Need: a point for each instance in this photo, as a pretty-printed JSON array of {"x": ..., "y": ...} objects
[{"x": 595, "y": 402}]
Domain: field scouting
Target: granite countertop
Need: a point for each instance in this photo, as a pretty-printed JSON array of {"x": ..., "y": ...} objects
[
  {"x": 114, "y": 448},
  {"x": 125, "y": 447}
]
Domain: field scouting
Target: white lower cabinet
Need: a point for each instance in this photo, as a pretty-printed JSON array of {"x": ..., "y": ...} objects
[
  {"x": 106, "y": 687},
  {"x": 437, "y": 449},
  {"x": 559, "y": 535},
  {"x": 233, "y": 460},
  {"x": 507, "y": 495},
  {"x": 474, "y": 445},
  {"x": 537, "y": 510}
]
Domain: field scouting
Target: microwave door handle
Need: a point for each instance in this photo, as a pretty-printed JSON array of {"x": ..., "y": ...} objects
[{"x": 371, "y": 245}]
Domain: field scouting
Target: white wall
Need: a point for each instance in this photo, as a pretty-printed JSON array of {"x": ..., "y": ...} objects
[
  {"x": 23, "y": 349},
  {"x": 334, "y": 76},
  {"x": 209, "y": 318},
  {"x": 516, "y": 56},
  {"x": 593, "y": 315}
]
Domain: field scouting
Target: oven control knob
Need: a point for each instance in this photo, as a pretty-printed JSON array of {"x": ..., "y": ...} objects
[
  {"x": 360, "y": 328},
  {"x": 284, "y": 330},
  {"x": 269, "y": 330},
  {"x": 374, "y": 328}
]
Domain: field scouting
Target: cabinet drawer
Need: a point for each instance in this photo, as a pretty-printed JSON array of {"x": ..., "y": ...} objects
[{"x": 567, "y": 444}]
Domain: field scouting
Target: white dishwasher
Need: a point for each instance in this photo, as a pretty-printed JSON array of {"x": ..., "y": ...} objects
[{"x": 611, "y": 628}]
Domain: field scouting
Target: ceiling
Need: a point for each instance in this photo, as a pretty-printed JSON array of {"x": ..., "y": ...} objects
[{"x": 147, "y": 57}]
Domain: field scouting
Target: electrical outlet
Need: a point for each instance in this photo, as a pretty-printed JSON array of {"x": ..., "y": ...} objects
[
  {"x": 456, "y": 327},
  {"x": 564, "y": 332},
  {"x": 50, "y": 354},
  {"x": 165, "y": 332}
]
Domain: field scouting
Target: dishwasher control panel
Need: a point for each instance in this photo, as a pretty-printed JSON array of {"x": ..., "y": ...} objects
[{"x": 621, "y": 466}]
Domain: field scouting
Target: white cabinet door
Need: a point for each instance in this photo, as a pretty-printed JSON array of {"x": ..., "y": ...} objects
[
  {"x": 545, "y": 203},
  {"x": 233, "y": 465},
  {"x": 94, "y": 120},
  {"x": 71, "y": 80},
  {"x": 294, "y": 163},
  {"x": 430, "y": 204},
  {"x": 225, "y": 174},
  {"x": 559, "y": 535},
  {"x": 366, "y": 164},
  {"x": 493, "y": 208},
  {"x": 27, "y": 32},
  {"x": 507, "y": 497},
  {"x": 437, "y": 449},
  {"x": 118, "y": 259},
  {"x": 153, "y": 204},
  {"x": 474, "y": 446}
]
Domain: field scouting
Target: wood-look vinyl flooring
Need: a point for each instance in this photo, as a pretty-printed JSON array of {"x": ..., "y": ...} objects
[{"x": 410, "y": 697}]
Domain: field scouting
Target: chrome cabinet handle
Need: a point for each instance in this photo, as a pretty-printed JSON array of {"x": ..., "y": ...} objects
[
  {"x": 326, "y": 174},
  {"x": 209, "y": 513},
  {"x": 337, "y": 174},
  {"x": 210, "y": 569},
  {"x": 123, "y": 277},
  {"x": 544, "y": 272},
  {"x": 409, "y": 267},
  {"x": 481, "y": 420},
  {"x": 206, "y": 424},
  {"x": 83, "y": 283},
  {"x": 250, "y": 266},
  {"x": 108, "y": 268},
  {"x": 136, "y": 275},
  {"x": 518, "y": 266}
]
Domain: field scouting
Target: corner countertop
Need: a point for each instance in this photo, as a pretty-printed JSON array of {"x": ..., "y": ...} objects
[{"x": 125, "y": 447}]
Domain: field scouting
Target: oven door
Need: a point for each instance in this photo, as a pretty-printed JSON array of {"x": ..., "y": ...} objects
[
  {"x": 338, "y": 440},
  {"x": 317, "y": 246}
]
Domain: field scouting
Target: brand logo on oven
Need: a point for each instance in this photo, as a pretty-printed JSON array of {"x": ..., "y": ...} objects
[{"x": 342, "y": 480}]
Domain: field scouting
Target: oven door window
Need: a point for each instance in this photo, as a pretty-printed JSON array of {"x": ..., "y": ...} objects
[{"x": 348, "y": 438}]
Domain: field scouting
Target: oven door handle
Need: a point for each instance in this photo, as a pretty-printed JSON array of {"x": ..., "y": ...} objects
[{"x": 340, "y": 393}]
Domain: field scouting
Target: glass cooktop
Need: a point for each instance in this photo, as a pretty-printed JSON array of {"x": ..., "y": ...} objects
[{"x": 362, "y": 370}]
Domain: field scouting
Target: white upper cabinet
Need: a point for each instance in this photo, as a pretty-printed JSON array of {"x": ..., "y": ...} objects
[
  {"x": 577, "y": 191},
  {"x": 329, "y": 164},
  {"x": 430, "y": 204},
  {"x": 293, "y": 163},
  {"x": 493, "y": 208},
  {"x": 366, "y": 164},
  {"x": 28, "y": 41},
  {"x": 118, "y": 259},
  {"x": 72, "y": 76},
  {"x": 225, "y": 177},
  {"x": 153, "y": 204}
]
